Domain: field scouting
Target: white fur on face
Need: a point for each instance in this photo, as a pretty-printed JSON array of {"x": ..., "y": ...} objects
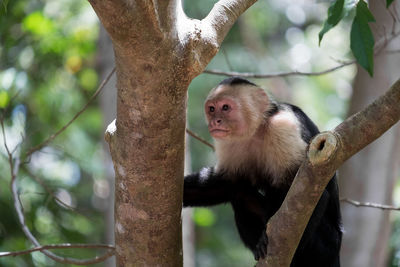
[{"x": 278, "y": 148}]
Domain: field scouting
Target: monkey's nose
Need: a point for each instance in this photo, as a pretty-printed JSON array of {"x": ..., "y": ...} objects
[{"x": 216, "y": 122}]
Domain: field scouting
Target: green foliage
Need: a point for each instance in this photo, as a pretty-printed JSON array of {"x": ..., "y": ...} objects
[
  {"x": 362, "y": 40},
  {"x": 203, "y": 217},
  {"x": 4, "y": 99},
  {"x": 37, "y": 24},
  {"x": 88, "y": 79},
  {"x": 335, "y": 14},
  {"x": 47, "y": 57}
]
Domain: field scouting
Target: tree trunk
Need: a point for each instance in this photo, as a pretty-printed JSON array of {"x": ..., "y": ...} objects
[
  {"x": 188, "y": 235},
  {"x": 158, "y": 51},
  {"x": 369, "y": 176}
]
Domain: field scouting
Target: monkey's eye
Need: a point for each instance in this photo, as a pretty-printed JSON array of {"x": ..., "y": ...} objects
[
  {"x": 225, "y": 107},
  {"x": 211, "y": 108}
]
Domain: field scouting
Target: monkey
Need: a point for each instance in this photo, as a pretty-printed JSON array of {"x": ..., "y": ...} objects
[{"x": 260, "y": 144}]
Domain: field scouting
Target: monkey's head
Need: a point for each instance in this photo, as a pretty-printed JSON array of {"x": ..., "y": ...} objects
[{"x": 235, "y": 109}]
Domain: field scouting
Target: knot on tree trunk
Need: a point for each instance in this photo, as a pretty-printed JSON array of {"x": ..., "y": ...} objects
[{"x": 110, "y": 132}]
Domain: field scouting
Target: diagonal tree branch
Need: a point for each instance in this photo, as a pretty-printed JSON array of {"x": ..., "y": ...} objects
[
  {"x": 192, "y": 134},
  {"x": 48, "y": 190},
  {"x": 327, "y": 152}
]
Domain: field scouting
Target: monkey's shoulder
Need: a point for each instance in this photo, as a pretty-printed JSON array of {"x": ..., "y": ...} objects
[{"x": 293, "y": 116}]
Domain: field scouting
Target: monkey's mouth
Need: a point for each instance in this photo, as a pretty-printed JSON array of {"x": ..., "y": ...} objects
[{"x": 219, "y": 133}]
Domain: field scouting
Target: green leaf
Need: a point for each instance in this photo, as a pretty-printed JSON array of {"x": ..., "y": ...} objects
[
  {"x": 335, "y": 14},
  {"x": 38, "y": 24},
  {"x": 203, "y": 217},
  {"x": 363, "y": 13},
  {"x": 389, "y": 2},
  {"x": 361, "y": 38},
  {"x": 4, "y": 99},
  {"x": 88, "y": 79}
]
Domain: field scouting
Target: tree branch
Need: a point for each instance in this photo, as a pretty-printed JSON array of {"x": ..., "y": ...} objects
[
  {"x": 369, "y": 204},
  {"x": 367, "y": 125},
  {"x": 379, "y": 48},
  {"x": 58, "y": 246},
  {"x": 224, "y": 14},
  {"x": 192, "y": 134},
  {"x": 326, "y": 153},
  {"x": 48, "y": 190},
  {"x": 279, "y": 74}
]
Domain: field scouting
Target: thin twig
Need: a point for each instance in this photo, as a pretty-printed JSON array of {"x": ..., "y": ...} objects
[
  {"x": 192, "y": 134},
  {"x": 53, "y": 136},
  {"x": 369, "y": 204},
  {"x": 279, "y": 74},
  {"x": 380, "y": 45},
  {"x": 57, "y": 246},
  {"x": 49, "y": 191}
]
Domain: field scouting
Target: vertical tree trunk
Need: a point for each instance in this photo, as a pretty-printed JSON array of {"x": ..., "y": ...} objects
[
  {"x": 158, "y": 51},
  {"x": 370, "y": 174},
  {"x": 188, "y": 241},
  {"x": 149, "y": 155}
]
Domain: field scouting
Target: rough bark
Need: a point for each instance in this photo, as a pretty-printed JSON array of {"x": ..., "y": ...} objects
[
  {"x": 188, "y": 234},
  {"x": 370, "y": 175},
  {"x": 326, "y": 153},
  {"x": 158, "y": 51}
]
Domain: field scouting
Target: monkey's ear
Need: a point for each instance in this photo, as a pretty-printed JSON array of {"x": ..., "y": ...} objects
[
  {"x": 261, "y": 93},
  {"x": 262, "y": 99}
]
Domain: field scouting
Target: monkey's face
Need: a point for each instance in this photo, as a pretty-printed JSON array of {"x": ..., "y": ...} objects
[{"x": 224, "y": 118}]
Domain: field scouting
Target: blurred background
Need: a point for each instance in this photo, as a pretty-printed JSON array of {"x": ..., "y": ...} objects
[{"x": 54, "y": 54}]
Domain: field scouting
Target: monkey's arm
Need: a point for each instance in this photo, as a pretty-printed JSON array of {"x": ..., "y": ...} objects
[
  {"x": 251, "y": 215},
  {"x": 206, "y": 188}
]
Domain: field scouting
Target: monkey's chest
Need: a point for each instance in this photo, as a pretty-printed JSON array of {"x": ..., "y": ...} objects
[
  {"x": 259, "y": 168},
  {"x": 276, "y": 157}
]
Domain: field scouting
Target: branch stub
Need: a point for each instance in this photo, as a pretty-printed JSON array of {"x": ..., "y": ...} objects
[{"x": 322, "y": 148}]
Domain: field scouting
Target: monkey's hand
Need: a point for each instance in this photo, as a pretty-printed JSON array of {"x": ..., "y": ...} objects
[{"x": 260, "y": 250}]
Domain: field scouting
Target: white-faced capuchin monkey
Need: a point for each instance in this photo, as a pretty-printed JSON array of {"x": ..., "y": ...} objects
[{"x": 260, "y": 145}]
